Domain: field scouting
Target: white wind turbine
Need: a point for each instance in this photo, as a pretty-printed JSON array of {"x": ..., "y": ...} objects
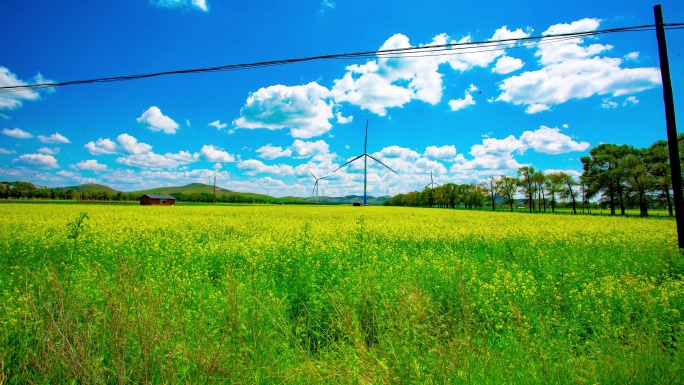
[
  {"x": 315, "y": 187},
  {"x": 365, "y": 156}
]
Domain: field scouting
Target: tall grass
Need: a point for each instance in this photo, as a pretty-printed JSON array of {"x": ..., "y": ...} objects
[{"x": 336, "y": 295}]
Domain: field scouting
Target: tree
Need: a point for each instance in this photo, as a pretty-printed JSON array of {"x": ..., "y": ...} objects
[
  {"x": 507, "y": 187},
  {"x": 492, "y": 186},
  {"x": 539, "y": 180},
  {"x": 658, "y": 160},
  {"x": 527, "y": 184},
  {"x": 568, "y": 190},
  {"x": 554, "y": 185},
  {"x": 604, "y": 174},
  {"x": 639, "y": 181}
]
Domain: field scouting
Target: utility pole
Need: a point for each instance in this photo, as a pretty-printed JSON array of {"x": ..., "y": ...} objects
[{"x": 668, "y": 98}]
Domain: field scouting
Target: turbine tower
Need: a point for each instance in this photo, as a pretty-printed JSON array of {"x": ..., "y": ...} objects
[
  {"x": 365, "y": 157},
  {"x": 315, "y": 188}
]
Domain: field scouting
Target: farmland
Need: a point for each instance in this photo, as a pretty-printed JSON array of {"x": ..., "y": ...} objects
[{"x": 336, "y": 295}]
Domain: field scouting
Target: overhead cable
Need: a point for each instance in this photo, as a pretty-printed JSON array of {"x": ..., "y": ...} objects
[{"x": 450, "y": 49}]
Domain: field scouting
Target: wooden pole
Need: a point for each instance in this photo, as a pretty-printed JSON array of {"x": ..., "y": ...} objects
[{"x": 668, "y": 97}]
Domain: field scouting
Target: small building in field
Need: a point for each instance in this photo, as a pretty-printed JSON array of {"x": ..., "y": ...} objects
[{"x": 157, "y": 200}]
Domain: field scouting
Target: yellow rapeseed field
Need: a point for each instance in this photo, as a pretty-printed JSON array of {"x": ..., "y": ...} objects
[{"x": 315, "y": 294}]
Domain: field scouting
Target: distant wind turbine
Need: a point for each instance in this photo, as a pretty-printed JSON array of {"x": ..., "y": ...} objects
[
  {"x": 365, "y": 157},
  {"x": 315, "y": 187},
  {"x": 432, "y": 181}
]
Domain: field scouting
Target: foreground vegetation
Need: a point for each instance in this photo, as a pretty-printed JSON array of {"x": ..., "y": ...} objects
[{"x": 279, "y": 294}]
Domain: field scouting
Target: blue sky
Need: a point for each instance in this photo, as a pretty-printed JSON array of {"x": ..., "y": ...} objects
[{"x": 466, "y": 116}]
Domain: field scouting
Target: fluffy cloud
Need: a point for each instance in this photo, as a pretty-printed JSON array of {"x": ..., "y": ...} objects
[
  {"x": 304, "y": 149},
  {"x": 343, "y": 119},
  {"x": 392, "y": 81},
  {"x": 441, "y": 153},
  {"x": 139, "y": 154},
  {"x": 608, "y": 104},
  {"x": 507, "y": 64},
  {"x": 37, "y": 160},
  {"x": 218, "y": 124},
  {"x": 496, "y": 156},
  {"x": 5, "y": 151},
  {"x": 131, "y": 145},
  {"x": 482, "y": 55},
  {"x": 631, "y": 100},
  {"x": 302, "y": 109},
  {"x": 550, "y": 141},
  {"x": 13, "y": 100},
  {"x": 253, "y": 167},
  {"x": 194, "y": 4},
  {"x": 16, "y": 133},
  {"x": 48, "y": 151},
  {"x": 90, "y": 165},
  {"x": 631, "y": 56},
  {"x": 157, "y": 161},
  {"x": 154, "y": 120},
  {"x": 215, "y": 154},
  {"x": 101, "y": 146},
  {"x": 54, "y": 138},
  {"x": 458, "y": 104},
  {"x": 272, "y": 152},
  {"x": 573, "y": 70}
]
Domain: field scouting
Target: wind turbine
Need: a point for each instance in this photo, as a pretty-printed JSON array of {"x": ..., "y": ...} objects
[
  {"x": 315, "y": 187},
  {"x": 365, "y": 157},
  {"x": 432, "y": 181}
]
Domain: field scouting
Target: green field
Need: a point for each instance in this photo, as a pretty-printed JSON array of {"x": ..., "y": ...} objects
[{"x": 358, "y": 295}]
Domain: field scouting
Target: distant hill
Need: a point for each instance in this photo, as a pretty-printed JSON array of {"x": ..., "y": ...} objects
[
  {"x": 187, "y": 189},
  {"x": 200, "y": 188},
  {"x": 349, "y": 199},
  {"x": 90, "y": 187}
]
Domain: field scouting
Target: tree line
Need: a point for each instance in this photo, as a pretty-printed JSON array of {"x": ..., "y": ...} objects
[
  {"x": 614, "y": 177},
  {"x": 27, "y": 190}
]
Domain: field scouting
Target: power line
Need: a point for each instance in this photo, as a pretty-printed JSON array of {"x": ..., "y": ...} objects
[{"x": 450, "y": 49}]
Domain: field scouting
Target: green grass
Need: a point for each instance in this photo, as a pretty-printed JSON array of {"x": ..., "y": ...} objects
[{"x": 311, "y": 295}]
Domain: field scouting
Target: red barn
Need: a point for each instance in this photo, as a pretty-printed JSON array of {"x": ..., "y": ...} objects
[{"x": 157, "y": 200}]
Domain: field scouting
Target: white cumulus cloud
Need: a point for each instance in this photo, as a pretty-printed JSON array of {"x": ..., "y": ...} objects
[
  {"x": 253, "y": 167},
  {"x": 218, "y": 124},
  {"x": 272, "y": 152},
  {"x": 154, "y": 120},
  {"x": 37, "y": 160},
  {"x": 303, "y": 149},
  {"x": 101, "y": 146},
  {"x": 441, "y": 153},
  {"x": 303, "y": 109},
  {"x": 14, "y": 100},
  {"x": 16, "y": 133},
  {"x": 54, "y": 138},
  {"x": 48, "y": 151},
  {"x": 572, "y": 69},
  {"x": 507, "y": 64},
  {"x": 215, "y": 154},
  {"x": 90, "y": 165}
]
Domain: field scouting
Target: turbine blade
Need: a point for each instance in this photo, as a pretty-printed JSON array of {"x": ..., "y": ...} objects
[
  {"x": 314, "y": 188},
  {"x": 427, "y": 185},
  {"x": 348, "y": 162},
  {"x": 388, "y": 167},
  {"x": 328, "y": 176},
  {"x": 311, "y": 174}
]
